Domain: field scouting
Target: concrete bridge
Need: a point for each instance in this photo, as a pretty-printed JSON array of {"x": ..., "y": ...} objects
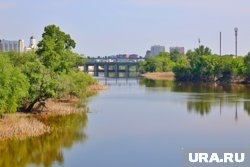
[
  {"x": 117, "y": 67},
  {"x": 119, "y": 81}
]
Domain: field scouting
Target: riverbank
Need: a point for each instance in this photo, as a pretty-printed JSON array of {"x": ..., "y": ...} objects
[
  {"x": 170, "y": 76},
  {"x": 24, "y": 125}
]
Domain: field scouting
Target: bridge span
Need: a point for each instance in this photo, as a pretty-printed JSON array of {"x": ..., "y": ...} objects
[{"x": 116, "y": 68}]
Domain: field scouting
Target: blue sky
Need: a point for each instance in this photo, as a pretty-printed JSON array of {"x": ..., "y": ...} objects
[{"x": 106, "y": 27}]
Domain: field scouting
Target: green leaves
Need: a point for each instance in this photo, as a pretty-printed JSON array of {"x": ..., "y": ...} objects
[
  {"x": 212, "y": 68},
  {"x": 200, "y": 65},
  {"x": 202, "y": 51},
  {"x": 74, "y": 84},
  {"x": 55, "y": 40},
  {"x": 51, "y": 72},
  {"x": 55, "y": 50},
  {"x": 159, "y": 63},
  {"x": 13, "y": 86}
]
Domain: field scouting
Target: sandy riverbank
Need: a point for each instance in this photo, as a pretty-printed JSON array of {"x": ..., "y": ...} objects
[
  {"x": 170, "y": 76},
  {"x": 24, "y": 125}
]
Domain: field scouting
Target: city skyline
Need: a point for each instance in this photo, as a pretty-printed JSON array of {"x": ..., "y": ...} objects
[{"x": 131, "y": 26}]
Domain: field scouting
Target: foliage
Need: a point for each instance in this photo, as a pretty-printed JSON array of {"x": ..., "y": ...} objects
[
  {"x": 181, "y": 69},
  {"x": 51, "y": 72},
  {"x": 211, "y": 68},
  {"x": 74, "y": 84},
  {"x": 13, "y": 86},
  {"x": 175, "y": 56},
  {"x": 247, "y": 63},
  {"x": 202, "y": 51},
  {"x": 159, "y": 63},
  {"x": 55, "y": 50},
  {"x": 200, "y": 65}
]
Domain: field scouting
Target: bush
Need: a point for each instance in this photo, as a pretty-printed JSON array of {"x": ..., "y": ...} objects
[
  {"x": 13, "y": 86},
  {"x": 51, "y": 72}
]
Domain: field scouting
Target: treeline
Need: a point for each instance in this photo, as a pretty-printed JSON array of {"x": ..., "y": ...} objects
[
  {"x": 50, "y": 72},
  {"x": 200, "y": 65}
]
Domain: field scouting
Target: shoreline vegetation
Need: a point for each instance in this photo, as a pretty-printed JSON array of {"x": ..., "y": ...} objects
[
  {"x": 22, "y": 125},
  {"x": 42, "y": 83},
  {"x": 198, "y": 65},
  {"x": 170, "y": 76}
]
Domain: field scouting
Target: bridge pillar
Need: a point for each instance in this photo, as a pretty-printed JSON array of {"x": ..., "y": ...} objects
[
  {"x": 137, "y": 70},
  {"x": 106, "y": 72},
  {"x": 116, "y": 70},
  {"x": 86, "y": 68},
  {"x": 96, "y": 70},
  {"x": 127, "y": 70}
]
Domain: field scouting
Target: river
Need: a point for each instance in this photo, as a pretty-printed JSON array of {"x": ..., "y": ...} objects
[{"x": 141, "y": 123}]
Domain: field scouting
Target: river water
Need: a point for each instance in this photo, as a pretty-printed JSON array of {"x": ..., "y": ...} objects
[{"x": 141, "y": 123}]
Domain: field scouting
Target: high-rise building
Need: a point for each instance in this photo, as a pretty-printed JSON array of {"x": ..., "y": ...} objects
[
  {"x": 181, "y": 50},
  {"x": 6, "y": 45},
  {"x": 21, "y": 46},
  {"x": 155, "y": 50}
]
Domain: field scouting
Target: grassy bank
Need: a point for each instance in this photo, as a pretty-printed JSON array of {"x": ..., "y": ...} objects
[
  {"x": 169, "y": 76},
  {"x": 24, "y": 125}
]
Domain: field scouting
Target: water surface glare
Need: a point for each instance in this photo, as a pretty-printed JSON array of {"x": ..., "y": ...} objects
[{"x": 145, "y": 123}]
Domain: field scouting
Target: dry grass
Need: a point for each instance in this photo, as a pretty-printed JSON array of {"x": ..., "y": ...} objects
[
  {"x": 60, "y": 108},
  {"x": 21, "y": 126},
  {"x": 96, "y": 88},
  {"x": 24, "y": 125},
  {"x": 160, "y": 76}
]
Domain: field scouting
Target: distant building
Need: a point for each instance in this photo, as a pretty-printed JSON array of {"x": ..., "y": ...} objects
[
  {"x": 122, "y": 56},
  {"x": 6, "y": 45},
  {"x": 21, "y": 46},
  {"x": 148, "y": 53},
  {"x": 133, "y": 56},
  {"x": 32, "y": 45},
  {"x": 181, "y": 50},
  {"x": 155, "y": 50}
]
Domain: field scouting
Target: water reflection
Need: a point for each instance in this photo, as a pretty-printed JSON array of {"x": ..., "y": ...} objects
[
  {"x": 201, "y": 107},
  {"x": 47, "y": 149},
  {"x": 201, "y": 98}
]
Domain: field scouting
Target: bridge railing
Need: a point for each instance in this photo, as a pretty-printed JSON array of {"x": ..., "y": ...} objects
[{"x": 114, "y": 60}]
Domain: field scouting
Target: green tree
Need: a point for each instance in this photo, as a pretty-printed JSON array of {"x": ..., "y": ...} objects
[
  {"x": 34, "y": 77},
  {"x": 55, "y": 50},
  {"x": 175, "y": 56},
  {"x": 43, "y": 83},
  {"x": 13, "y": 86},
  {"x": 159, "y": 63},
  {"x": 247, "y": 65},
  {"x": 182, "y": 69},
  {"x": 74, "y": 84},
  {"x": 150, "y": 65},
  {"x": 202, "y": 51}
]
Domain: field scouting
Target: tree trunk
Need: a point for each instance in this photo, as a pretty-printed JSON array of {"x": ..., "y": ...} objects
[{"x": 30, "y": 107}]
